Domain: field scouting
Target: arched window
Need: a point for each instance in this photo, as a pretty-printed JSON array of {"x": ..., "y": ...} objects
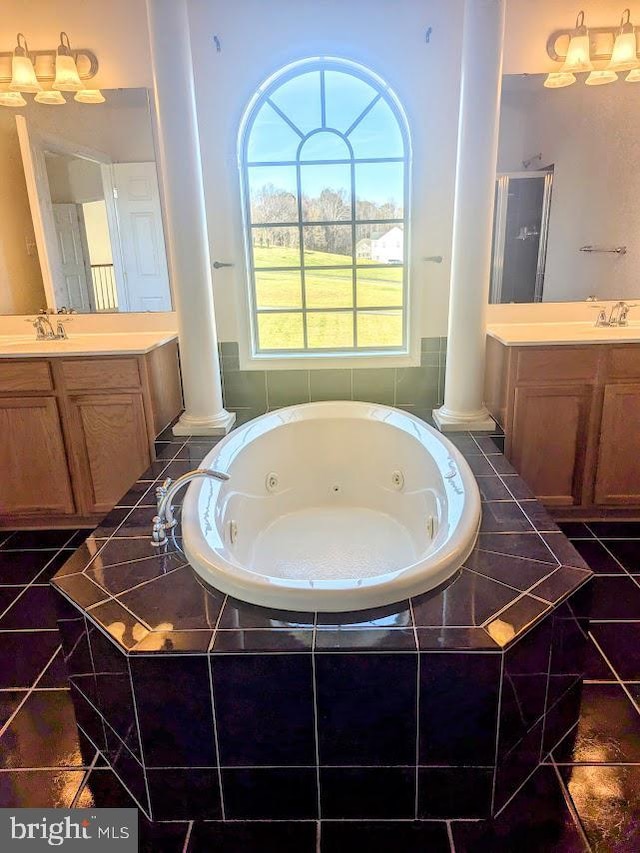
[{"x": 324, "y": 155}]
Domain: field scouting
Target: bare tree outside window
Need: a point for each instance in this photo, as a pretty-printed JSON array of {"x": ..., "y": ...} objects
[{"x": 324, "y": 165}]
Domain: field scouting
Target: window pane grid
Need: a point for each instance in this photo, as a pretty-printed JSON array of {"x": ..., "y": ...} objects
[
  {"x": 373, "y": 327},
  {"x": 364, "y": 112}
]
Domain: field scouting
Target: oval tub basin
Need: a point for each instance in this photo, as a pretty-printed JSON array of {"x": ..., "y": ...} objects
[{"x": 335, "y": 506}]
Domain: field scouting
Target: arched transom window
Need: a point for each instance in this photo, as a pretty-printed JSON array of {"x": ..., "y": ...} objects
[{"x": 325, "y": 154}]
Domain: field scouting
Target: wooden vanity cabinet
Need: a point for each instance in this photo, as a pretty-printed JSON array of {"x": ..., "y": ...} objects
[
  {"x": 77, "y": 432},
  {"x": 108, "y": 441},
  {"x": 34, "y": 476},
  {"x": 550, "y": 457},
  {"x": 571, "y": 416},
  {"x": 617, "y": 481}
]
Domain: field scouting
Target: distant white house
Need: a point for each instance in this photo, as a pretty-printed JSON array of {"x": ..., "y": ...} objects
[{"x": 384, "y": 248}]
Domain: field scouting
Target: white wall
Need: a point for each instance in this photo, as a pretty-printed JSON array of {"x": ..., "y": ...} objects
[
  {"x": 592, "y": 136},
  {"x": 389, "y": 37}
]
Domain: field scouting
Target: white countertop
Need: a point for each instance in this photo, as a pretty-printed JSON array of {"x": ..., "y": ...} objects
[
  {"x": 106, "y": 343},
  {"x": 562, "y": 334}
]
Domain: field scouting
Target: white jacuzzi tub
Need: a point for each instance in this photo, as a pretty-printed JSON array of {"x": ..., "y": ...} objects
[{"x": 331, "y": 506}]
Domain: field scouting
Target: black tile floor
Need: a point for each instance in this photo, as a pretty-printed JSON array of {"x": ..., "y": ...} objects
[{"x": 587, "y": 797}]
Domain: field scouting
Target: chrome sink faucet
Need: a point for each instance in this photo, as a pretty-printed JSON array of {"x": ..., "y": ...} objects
[
  {"x": 44, "y": 329},
  {"x": 618, "y": 316}
]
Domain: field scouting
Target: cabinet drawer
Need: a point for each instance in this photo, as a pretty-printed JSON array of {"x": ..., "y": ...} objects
[
  {"x": 624, "y": 362},
  {"x": 563, "y": 364},
  {"x": 25, "y": 376},
  {"x": 94, "y": 374}
]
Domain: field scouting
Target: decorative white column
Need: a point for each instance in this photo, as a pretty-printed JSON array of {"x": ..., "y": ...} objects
[
  {"x": 478, "y": 126},
  {"x": 188, "y": 245}
]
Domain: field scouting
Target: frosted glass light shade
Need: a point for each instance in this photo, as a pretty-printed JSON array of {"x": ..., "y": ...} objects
[
  {"x": 67, "y": 78},
  {"x": 89, "y": 96},
  {"x": 600, "y": 78},
  {"x": 559, "y": 79},
  {"x": 578, "y": 57},
  {"x": 624, "y": 56},
  {"x": 49, "y": 96},
  {"x": 12, "y": 99},
  {"x": 23, "y": 75}
]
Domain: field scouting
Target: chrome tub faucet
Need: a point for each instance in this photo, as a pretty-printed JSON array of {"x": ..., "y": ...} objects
[{"x": 165, "y": 520}]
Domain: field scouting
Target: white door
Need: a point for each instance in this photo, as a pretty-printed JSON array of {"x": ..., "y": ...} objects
[
  {"x": 35, "y": 172},
  {"x": 141, "y": 236},
  {"x": 73, "y": 271}
]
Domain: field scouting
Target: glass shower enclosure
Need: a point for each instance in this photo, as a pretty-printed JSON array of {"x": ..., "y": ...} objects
[{"x": 520, "y": 230}]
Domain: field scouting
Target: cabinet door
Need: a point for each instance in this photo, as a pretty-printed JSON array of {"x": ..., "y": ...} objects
[
  {"x": 34, "y": 477},
  {"x": 618, "y": 472},
  {"x": 110, "y": 446},
  {"x": 549, "y": 440}
]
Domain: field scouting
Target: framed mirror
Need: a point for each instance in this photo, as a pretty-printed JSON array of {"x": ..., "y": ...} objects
[{"x": 92, "y": 190}]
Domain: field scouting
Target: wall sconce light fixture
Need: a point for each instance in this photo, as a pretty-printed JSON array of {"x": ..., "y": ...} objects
[
  {"x": 624, "y": 56},
  {"x": 89, "y": 96},
  {"x": 67, "y": 77},
  {"x": 12, "y": 99},
  {"x": 51, "y": 97},
  {"x": 23, "y": 74},
  {"x": 578, "y": 54},
  {"x": 559, "y": 79},
  {"x": 65, "y": 69},
  {"x": 602, "y": 51},
  {"x": 599, "y": 78}
]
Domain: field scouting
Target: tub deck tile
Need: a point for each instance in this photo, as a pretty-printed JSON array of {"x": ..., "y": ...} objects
[
  {"x": 518, "y": 547},
  {"x": 418, "y": 698}
]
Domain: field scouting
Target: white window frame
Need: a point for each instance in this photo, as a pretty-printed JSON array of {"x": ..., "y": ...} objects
[{"x": 250, "y": 357}]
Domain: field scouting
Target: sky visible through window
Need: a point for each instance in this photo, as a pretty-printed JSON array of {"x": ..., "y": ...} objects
[{"x": 325, "y": 160}]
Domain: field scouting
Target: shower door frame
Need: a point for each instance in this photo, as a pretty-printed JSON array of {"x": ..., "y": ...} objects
[{"x": 500, "y": 228}]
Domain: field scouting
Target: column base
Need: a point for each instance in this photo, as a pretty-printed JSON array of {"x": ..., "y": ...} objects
[
  {"x": 447, "y": 421},
  {"x": 220, "y": 425}
]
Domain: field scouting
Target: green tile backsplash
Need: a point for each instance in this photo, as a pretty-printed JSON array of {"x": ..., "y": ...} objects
[
  {"x": 250, "y": 393},
  {"x": 331, "y": 385},
  {"x": 287, "y": 387}
]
